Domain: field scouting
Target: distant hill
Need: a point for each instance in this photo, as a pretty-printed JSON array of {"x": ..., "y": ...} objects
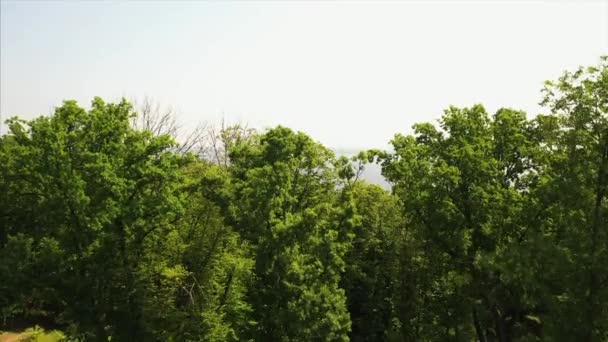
[{"x": 372, "y": 172}]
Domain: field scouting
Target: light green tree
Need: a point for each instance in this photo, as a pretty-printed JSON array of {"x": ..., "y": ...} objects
[{"x": 286, "y": 201}]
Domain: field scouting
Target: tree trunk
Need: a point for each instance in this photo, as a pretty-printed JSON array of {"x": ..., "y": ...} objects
[
  {"x": 595, "y": 226},
  {"x": 502, "y": 330},
  {"x": 478, "y": 329}
]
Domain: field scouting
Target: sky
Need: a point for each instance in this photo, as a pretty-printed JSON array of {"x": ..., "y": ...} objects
[{"x": 350, "y": 74}]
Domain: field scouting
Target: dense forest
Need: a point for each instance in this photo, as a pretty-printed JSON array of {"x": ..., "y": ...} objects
[{"x": 115, "y": 227}]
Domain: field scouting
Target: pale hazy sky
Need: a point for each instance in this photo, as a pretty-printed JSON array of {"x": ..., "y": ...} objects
[{"x": 351, "y": 74}]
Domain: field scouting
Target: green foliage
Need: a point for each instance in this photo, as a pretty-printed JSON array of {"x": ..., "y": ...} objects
[
  {"x": 495, "y": 228},
  {"x": 285, "y": 203},
  {"x": 86, "y": 202},
  {"x": 462, "y": 187},
  {"x": 37, "y": 334},
  {"x": 374, "y": 265},
  {"x": 575, "y": 193}
]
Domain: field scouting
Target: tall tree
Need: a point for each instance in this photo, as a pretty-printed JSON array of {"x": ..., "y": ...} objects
[
  {"x": 373, "y": 265},
  {"x": 87, "y": 201},
  {"x": 577, "y": 198},
  {"x": 463, "y": 187},
  {"x": 285, "y": 201},
  {"x": 211, "y": 304}
]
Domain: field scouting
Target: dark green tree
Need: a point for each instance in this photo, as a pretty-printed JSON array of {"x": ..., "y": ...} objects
[
  {"x": 464, "y": 189},
  {"x": 87, "y": 200},
  {"x": 576, "y": 196},
  {"x": 373, "y": 268}
]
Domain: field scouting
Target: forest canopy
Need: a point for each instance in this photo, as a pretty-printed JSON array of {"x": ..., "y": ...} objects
[{"x": 495, "y": 227}]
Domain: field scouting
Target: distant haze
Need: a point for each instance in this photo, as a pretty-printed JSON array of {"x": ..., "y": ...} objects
[{"x": 349, "y": 74}]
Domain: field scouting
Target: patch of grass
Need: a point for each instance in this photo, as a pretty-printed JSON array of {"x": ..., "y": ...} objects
[{"x": 34, "y": 334}]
